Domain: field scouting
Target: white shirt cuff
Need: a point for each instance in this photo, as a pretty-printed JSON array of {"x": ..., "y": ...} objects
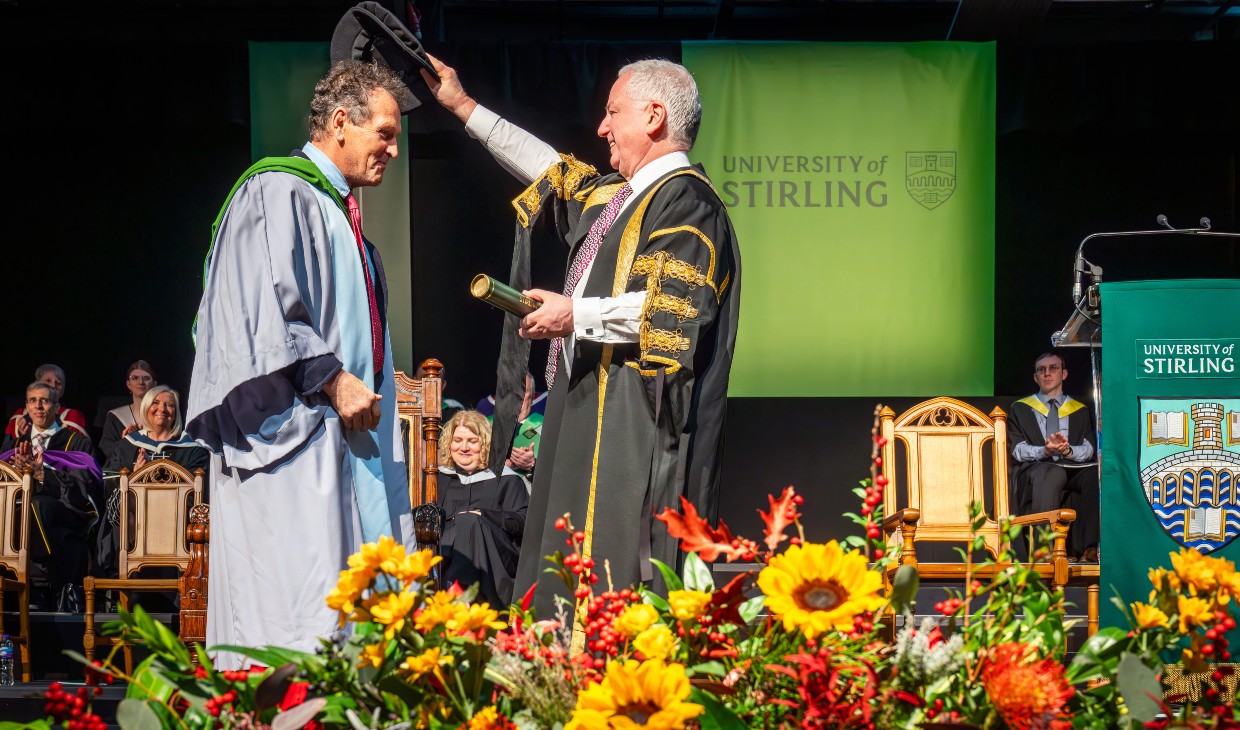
[{"x": 608, "y": 319}]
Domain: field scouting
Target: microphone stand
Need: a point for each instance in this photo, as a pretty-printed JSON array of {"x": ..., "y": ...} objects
[{"x": 1088, "y": 305}]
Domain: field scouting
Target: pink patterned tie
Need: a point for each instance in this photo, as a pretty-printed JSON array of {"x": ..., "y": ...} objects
[
  {"x": 376, "y": 329},
  {"x": 581, "y": 261}
]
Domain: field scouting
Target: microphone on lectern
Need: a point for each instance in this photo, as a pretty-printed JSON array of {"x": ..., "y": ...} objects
[{"x": 1162, "y": 221}]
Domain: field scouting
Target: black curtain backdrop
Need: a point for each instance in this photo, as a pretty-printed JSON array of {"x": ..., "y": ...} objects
[{"x": 119, "y": 156}]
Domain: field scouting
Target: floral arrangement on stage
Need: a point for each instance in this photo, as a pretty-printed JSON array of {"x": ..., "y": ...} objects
[{"x": 807, "y": 638}]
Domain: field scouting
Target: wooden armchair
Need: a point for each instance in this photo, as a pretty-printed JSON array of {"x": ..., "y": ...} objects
[
  {"x": 160, "y": 495},
  {"x": 15, "y": 491},
  {"x": 944, "y": 442},
  {"x": 419, "y": 406}
]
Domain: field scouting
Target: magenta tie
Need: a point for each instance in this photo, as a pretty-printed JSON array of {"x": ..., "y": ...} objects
[
  {"x": 581, "y": 261},
  {"x": 376, "y": 329}
]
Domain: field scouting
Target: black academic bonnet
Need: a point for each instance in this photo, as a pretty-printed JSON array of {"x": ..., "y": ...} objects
[{"x": 370, "y": 32}]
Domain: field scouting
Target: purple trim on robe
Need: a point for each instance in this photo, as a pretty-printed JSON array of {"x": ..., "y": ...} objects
[{"x": 65, "y": 460}]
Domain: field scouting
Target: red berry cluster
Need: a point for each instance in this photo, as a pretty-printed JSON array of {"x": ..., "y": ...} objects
[
  {"x": 581, "y": 566},
  {"x": 716, "y": 644},
  {"x": 602, "y": 639},
  {"x": 874, "y": 497},
  {"x": 1216, "y": 637},
  {"x": 936, "y": 709},
  {"x": 949, "y": 607},
  {"x": 216, "y": 704},
  {"x": 72, "y": 709},
  {"x": 863, "y": 624}
]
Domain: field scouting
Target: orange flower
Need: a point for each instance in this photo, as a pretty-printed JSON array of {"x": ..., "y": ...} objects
[{"x": 1028, "y": 693}]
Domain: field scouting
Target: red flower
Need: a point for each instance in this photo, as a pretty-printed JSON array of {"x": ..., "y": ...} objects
[
  {"x": 835, "y": 692},
  {"x": 295, "y": 695},
  {"x": 1028, "y": 693}
]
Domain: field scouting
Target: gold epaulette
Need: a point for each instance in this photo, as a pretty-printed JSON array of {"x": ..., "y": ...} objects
[{"x": 563, "y": 179}]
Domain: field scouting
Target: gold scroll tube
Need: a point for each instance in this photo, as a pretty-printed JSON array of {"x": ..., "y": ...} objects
[{"x": 502, "y": 296}]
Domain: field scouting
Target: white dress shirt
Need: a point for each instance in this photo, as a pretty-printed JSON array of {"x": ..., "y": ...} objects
[{"x": 596, "y": 319}]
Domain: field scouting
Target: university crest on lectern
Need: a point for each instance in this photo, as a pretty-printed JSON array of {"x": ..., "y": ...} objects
[{"x": 1190, "y": 468}]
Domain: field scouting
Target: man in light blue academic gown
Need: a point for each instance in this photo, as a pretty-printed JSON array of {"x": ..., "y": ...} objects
[{"x": 292, "y": 387}]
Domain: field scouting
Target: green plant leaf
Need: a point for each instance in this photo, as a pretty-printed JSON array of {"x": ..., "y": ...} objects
[
  {"x": 136, "y": 714},
  {"x": 716, "y": 717},
  {"x": 1139, "y": 687},
  {"x": 148, "y": 683},
  {"x": 750, "y": 609},
  {"x": 904, "y": 588},
  {"x": 697, "y": 574},
  {"x": 297, "y": 717},
  {"x": 713, "y": 668},
  {"x": 1098, "y": 656},
  {"x": 271, "y": 656},
  {"x": 32, "y": 725},
  {"x": 669, "y": 576}
]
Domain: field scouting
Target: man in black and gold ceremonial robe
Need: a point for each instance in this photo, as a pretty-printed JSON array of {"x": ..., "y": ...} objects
[{"x": 642, "y": 333}]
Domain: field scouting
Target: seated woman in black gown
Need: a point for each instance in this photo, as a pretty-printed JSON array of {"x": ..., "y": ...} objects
[
  {"x": 484, "y": 515},
  {"x": 161, "y": 436}
]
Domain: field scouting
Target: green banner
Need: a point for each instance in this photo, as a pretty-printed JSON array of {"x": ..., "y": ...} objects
[
  {"x": 860, "y": 178},
  {"x": 1171, "y": 428}
]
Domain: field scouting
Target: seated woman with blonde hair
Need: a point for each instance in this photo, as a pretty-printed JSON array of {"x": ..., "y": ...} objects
[
  {"x": 484, "y": 515},
  {"x": 161, "y": 436}
]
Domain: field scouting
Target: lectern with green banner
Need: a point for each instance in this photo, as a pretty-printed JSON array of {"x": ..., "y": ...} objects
[{"x": 1170, "y": 427}]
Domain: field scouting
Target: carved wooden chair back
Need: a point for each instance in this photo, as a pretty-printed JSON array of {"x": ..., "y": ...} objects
[
  {"x": 161, "y": 495},
  {"x": 15, "y": 491},
  {"x": 946, "y": 462}
]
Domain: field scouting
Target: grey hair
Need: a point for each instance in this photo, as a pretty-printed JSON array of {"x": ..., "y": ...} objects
[
  {"x": 40, "y": 385},
  {"x": 348, "y": 85},
  {"x": 673, "y": 86},
  {"x": 46, "y": 368},
  {"x": 149, "y": 399}
]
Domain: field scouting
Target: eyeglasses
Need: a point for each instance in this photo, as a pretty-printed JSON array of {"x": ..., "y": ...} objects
[
  {"x": 140, "y": 378},
  {"x": 1049, "y": 368}
]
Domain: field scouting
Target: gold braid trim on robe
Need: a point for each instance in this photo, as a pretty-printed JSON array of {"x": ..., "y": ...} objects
[{"x": 564, "y": 179}]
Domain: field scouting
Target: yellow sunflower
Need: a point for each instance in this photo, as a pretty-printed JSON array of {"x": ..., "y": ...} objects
[
  {"x": 1193, "y": 612},
  {"x": 635, "y": 619},
  {"x": 1148, "y": 616},
  {"x": 390, "y": 610},
  {"x": 656, "y": 642},
  {"x": 688, "y": 605},
  {"x": 647, "y": 694},
  {"x": 426, "y": 662},
  {"x": 815, "y": 587}
]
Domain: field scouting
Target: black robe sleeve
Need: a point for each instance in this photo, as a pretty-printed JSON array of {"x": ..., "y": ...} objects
[{"x": 112, "y": 430}]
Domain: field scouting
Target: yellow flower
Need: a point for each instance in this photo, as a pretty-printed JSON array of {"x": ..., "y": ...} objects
[
  {"x": 815, "y": 587},
  {"x": 635, "y": 619},
  {"x": 688, "y": 605},
  {"x": 488, "y": 718},
  {"x": 440, "y": 609},
  {"x": 647, "y": 694},
  {"x": 475, "y": 617},
  {"x": 1160, "y": 575},
  {"x": 390, "y": 610},
  {"x": 349, "y": 588},
  {"x": 1149, "y": 617},
  {"x": 1193, "y": 612},
  {"x": 656, "y": 642},
  {"x": 414, "y": 567},
  {"x": 1197, "y": 571},
  {"x": 384, "y": 555},
  {"x": 425, "y": 662},
  {"x": 372, "y": 654}
]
